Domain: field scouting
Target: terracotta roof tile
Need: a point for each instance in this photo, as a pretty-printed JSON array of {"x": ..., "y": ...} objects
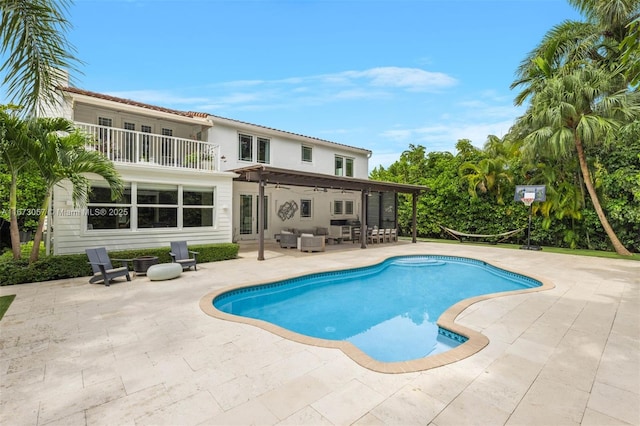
[{"x": 134, "y": 103}]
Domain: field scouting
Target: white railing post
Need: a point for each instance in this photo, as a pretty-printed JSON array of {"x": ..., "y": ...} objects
[{"x": 175, "y": 152}]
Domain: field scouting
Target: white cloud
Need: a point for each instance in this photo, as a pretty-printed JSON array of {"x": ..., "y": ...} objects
[
  {"x": 444, "y": 136},
  {"x": 157, "y": 97},
  {"x": 383, "y": 159},
  {"x": 412, "y": 79},
  {"x": 297, "y": 91}
]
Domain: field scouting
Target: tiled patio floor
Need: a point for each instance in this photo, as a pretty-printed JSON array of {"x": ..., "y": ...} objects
[{"x": 144, "y": 353}]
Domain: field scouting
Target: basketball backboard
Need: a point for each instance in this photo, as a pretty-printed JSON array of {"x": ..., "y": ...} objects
[{"x": 540, "y": 192}]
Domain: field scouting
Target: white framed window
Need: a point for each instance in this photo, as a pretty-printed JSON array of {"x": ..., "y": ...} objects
[
  {"x": 197, "y": 206},
  {"x": 147, "y": 205},
  {"x": 105, "y": 213},
  {"x": 263, "y": 150},
  {"x": 343, "y": 166},
  {"x": 338, "y": 207},
  {"x": 245, "y": 147},
  {"x": 307, "y": 154},
  {"x": 260, "y": 152},
  {"x": 157, "y": 206},
  {"x": 348, "y": 207},
  {"x": 305, "y": 209}
]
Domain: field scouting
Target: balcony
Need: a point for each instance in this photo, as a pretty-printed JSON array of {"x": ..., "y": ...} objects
[{"x": 131, "y": 147}]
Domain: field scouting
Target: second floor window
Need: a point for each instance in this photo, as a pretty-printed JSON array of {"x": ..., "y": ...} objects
[
  {"x": 307, "y": 154},
  {"x": 263, "y": 150},
  {"x": 245, "y": 148},
  {"x": 343, "y": 166}
]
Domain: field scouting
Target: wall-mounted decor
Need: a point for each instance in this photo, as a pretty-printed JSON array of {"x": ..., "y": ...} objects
[{"x": 287, "y": 210}]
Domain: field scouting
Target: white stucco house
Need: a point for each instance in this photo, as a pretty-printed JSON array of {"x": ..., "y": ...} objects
[{"x": 187, "y": 177}]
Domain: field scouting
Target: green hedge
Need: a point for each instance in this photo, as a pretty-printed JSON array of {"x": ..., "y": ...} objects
[{"x": 76, "y": 265}]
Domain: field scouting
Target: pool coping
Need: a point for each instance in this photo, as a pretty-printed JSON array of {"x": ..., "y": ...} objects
[{"x": 476, "y": 341}]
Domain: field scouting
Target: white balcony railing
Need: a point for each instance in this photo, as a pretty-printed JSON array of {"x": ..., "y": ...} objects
[{"x": 128, "y": 146}]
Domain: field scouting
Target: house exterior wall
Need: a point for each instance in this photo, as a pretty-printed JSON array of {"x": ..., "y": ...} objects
[
  {"x": 285, "y": 149},
  {"x": 72, "y": 233},
  {"x": 321, "y": 214}
]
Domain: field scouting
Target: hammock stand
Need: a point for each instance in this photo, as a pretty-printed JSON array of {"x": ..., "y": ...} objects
[{"x": 494, "y": 238}]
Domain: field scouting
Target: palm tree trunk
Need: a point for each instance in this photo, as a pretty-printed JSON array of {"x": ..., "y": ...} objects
[
  {"x": 586, "y": 176},
  {"x": 37, "y": 239},
  {"x": 13, "y": 218}
]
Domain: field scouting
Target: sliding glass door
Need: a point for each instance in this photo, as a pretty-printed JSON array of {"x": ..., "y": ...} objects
[{"x": 249, "y": 216}]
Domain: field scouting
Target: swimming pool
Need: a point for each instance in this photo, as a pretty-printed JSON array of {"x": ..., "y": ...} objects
[{"x": 388, "y": 311}]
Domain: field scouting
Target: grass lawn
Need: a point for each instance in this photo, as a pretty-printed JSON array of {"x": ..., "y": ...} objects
[
  {"x": 5, "y": 301},
  {"x": 577, "y": 252}
]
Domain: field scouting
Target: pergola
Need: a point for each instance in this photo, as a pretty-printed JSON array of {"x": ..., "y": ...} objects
[{"x": 266, "y": 175}]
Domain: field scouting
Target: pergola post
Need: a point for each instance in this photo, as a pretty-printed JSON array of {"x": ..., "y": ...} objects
[
  {"x": 414, "y": 220},
  {"x": 363, "y": 221},
  {"x": 261, "y": 218}
]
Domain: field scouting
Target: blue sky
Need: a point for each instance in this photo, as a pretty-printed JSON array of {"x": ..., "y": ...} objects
[{"x": 374, "y": 74}]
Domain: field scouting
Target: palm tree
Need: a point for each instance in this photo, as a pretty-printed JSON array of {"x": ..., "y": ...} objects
[
  {"x": 59, "y": 154},
  {"x": 13, "y": 137},
  {"x": 32, "y": 34},
  {"x": 573, "y": 110},
  {"x": 571, "y": 43}
]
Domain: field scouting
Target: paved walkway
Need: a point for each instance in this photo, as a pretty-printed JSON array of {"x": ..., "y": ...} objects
[{"x": 143, "y": 353}]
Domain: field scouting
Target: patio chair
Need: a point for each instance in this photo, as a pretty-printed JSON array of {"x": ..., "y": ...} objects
[
  {"x": 310, "y": 243},
  {"x": 103, "y": 270},
  {"x": 355, "y": 235},
  {"x": 288, "y": 240},
  {"x": 181, "y": 254},
  {"x": 374, "y": 236}
]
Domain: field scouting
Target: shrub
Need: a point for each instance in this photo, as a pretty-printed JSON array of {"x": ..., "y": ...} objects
[{"x": 76, "y": 265}]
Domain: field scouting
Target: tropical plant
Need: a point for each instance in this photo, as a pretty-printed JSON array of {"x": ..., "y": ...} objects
[
  {"x": 32, "y": 37},
  {"x": 14, "y": 136},
  {"x": 59, "y": 153},
  {"x": 630, "y": 48},
  {"x": 494, "y": 173},
  {"x": 571, "y": 110}
]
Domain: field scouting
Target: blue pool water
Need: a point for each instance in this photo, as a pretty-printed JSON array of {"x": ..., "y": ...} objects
[{"x": 389, "y": 310}]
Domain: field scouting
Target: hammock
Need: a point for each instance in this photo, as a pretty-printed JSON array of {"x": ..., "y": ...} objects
[{"x": 498, "y": 238}]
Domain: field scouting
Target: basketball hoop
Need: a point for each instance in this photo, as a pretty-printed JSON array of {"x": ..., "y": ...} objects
[
  {"x": 528, "y": 198},
  {"x": 528, "y": 194}
]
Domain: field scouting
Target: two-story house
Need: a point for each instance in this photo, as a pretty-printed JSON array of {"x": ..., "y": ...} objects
[{"x": 186, "y": 178}]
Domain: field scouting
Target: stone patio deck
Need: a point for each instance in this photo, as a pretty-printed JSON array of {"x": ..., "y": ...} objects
[{"x": 144, "y": 353}]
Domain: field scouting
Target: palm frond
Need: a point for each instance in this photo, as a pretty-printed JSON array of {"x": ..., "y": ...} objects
[{"x": 32, "y": 34}]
